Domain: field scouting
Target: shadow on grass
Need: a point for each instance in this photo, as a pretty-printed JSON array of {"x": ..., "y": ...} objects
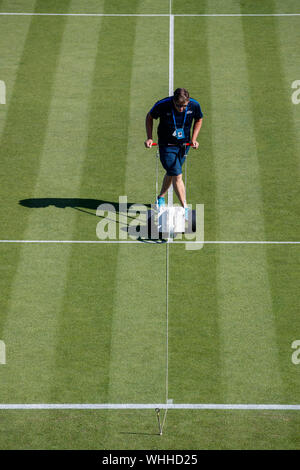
[
  {"x": 76, "y": 203},
  {"x": 87, "y": 205},
  {"x": 141, "y": 433}
]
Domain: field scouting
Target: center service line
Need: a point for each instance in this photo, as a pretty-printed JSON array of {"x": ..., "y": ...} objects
[
  {"x": 170, "y": 203},
  {"x": 171, "y": 79},
  {"x": 167, "y": 334}
]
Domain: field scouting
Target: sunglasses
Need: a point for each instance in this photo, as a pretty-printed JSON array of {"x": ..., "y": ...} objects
[{"x": 179, "y": 105}]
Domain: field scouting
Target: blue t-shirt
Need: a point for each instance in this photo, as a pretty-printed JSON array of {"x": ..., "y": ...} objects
[{"x": 164, "y": 110}]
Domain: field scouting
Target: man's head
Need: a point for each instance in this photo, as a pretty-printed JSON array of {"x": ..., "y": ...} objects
[{"x": 181, "y": 99}]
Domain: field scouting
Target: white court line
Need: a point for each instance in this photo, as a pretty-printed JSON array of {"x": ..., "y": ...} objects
[
  {"x": 153, "y": 14},
  {"x": 157, "y": 242},
  {"x": 171, "y": 80},
  {"x": 86, "y": 14},
  {"x": 241, "y": 242},
  {"x": 237, "y": 14},
  {"x": 78, "y": 241},
  {"x": 144, "y": 406},
  {"x": 170, "y": 204},
  {"x": 167, "y": 336},
  {"x": 167, "y": 323}
]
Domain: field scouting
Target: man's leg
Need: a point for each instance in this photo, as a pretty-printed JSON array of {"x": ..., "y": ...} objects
[
  {"x": 167, "y": 181},
  {"x": 179, "y": 188}
]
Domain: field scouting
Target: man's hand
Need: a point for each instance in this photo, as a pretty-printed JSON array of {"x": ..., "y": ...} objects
[
  {"x": 148, "y": 143},
  {"x": 196, "y": 130}
]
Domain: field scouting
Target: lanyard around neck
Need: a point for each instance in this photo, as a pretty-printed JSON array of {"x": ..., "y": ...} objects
[{"x": 183, "y": 119}]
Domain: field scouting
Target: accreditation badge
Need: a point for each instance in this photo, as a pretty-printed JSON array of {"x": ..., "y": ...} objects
[{"x": 180, "y": 133}]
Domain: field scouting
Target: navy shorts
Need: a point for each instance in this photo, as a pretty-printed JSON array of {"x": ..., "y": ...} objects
[{"x": 172, "y": 158}]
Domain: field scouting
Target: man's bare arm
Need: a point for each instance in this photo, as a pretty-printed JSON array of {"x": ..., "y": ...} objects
[
  {"x": 149, "y": 130},
  {"x": 196, "y": 130}
]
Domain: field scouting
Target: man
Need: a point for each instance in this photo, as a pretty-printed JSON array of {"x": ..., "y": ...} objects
[{"x": 176, "y": 115}]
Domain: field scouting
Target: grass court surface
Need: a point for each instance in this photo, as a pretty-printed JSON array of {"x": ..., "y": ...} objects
[{"x": 87, "y": 323}]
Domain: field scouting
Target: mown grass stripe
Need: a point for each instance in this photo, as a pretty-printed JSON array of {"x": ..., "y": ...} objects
[
  {"x": 195, "y": 355},
  {"x": 38, "y": 287},
  {"x": 102, "y": 178},
  {"x": 12, "y": 38},
  {"x": 288, "y": 34},
  {"x": 249, "y": 347},
  {"x": 12, "y": 41},
  {"x": 221, "y": 7},
  {"x": 279, "y": 163},
  {"x": 24, "y": 133},
  {"x": 274, "y": 130},
  {"x": 105, "y": 162},
  {"x": 25, "y": 127},
  {"x": 285, "y": 293},
  {"x": 138, "y": 356},
  {"x": 61, "y": 176},
  {"x": 279, "y": 168}
]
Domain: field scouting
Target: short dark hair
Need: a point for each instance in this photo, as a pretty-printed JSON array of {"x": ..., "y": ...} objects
[{"x": 181, "y": 95}]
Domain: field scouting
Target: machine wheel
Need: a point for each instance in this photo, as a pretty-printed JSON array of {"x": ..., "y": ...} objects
[
  {"x": 193, "y": 220},
  {"x": 153, "y": 233},
  {"x": 191, "y": 223}
]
